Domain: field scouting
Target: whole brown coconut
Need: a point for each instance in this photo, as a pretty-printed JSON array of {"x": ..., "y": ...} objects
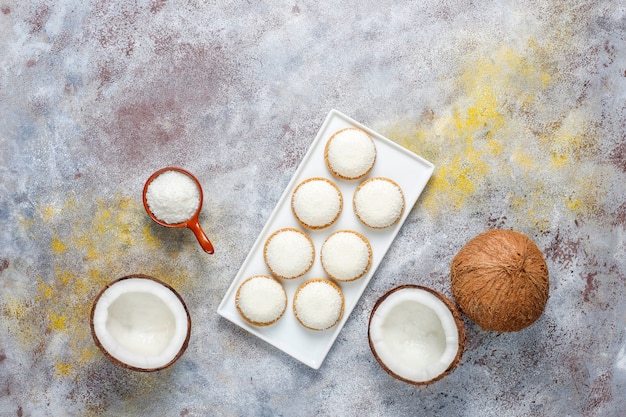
[{"x": 500, "y": 280}]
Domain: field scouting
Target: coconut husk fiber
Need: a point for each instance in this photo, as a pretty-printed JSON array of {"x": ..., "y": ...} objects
[{"x": 500, "y": 280}]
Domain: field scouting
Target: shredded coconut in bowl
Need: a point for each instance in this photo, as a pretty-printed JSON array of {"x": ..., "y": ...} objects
[{"x": 173, "y": 197}]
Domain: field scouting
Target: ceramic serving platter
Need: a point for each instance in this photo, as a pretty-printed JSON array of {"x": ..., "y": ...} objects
[{"x": 410, "y": 171}]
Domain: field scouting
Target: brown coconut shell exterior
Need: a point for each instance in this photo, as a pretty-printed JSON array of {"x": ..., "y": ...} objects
[
  {"x": 500, "y": 280},
  {"x": 458, "y": 319},
  {"x": 125, "y": 365}
]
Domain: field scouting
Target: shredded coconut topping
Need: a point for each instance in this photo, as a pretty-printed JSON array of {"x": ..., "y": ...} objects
[
  {"x": 378, "y": 202},
  {"x": 317, "y": 202},
  {"x": 289, "y": 253},
  {"x": 350, "y": 153},
  {"x": 346, "y": 255},
  {"x": 173, "y": 197},
  {"x": 318, "y": 304},
  {"x": 261, "y": 299}
]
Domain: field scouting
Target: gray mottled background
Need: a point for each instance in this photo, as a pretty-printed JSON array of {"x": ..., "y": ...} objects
[{"x": 519, "y": 104}]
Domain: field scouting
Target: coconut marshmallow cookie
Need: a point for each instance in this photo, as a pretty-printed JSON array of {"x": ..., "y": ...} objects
[
  {"x": 316, "y": 203},
  {"x": 346, "y": 255},
  {"x": 378, "y": 202},
  {"x": 261, "y": 300},
  {"x": 318, "y": 304},
  {"x": 173, "y": 197},
  {"x": 350, "y": 154},
  {"x": 416, "y": 334},
  {"x": 289, "y": 253}
]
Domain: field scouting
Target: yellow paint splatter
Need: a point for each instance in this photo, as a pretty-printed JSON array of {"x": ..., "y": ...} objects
[
  {"x": 573, "y": 204},
  {"x": 14, "y": 309},
  {"x": 90, "y": 244},
  {"x": 573, "y": 138},
  {"x": 63, "y": 369},
  {"x": 47, "y": 213},
  {"x": 483, "y": 137},
  {"x": 57, "y": 321},
  {"x": 522, "y": 159},
  {"x": 26, "y": 222},
  {"x": 86, "y": 355},
  {"x": 45, "y": 290},
  {"x": 57, "y": 245},
  {"x": 470, "y": 133},
  {"x": 149, "y": 238},
  {"x": 19, "y": 318}
]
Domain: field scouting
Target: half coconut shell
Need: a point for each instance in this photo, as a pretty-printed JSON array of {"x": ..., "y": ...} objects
[
  {"x": 413, "y": 325},
  {"x": 140, "y": 323}
]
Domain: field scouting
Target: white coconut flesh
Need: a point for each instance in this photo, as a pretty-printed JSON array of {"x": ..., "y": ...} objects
[
  {"x": 141, "y": 323},
  {"x": 414, "y": 334}
]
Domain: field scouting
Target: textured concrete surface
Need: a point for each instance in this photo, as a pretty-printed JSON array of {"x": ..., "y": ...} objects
[{"x": 519, "y": 104}]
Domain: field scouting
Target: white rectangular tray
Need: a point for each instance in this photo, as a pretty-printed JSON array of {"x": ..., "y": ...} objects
[{"x": 410, "y": 171}]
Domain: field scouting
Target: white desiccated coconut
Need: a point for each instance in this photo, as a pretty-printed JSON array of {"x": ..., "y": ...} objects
[
  {"x": 173, "y": 197},
  {"x": 346, "y": 255},
  {"x": 289, "y": 253},
  {"x": 378, "y": 202},
  {"x": 318, "y": 304},
  {"x": 350, "y": 153},
  {"x": 317, "y": 203}
]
